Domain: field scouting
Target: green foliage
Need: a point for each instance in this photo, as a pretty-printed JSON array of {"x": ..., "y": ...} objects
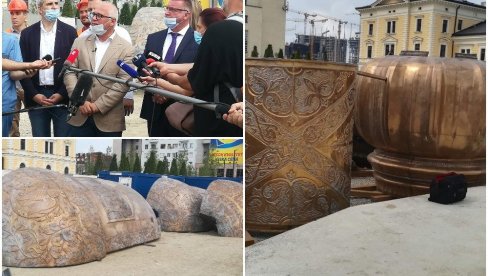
[
  {"x": 174, "y": 167},
  {"x": 280, "y": 53},
  {"x": 137, "y": 164},
  {"x": 125, "y": 14},
  {"x": 268, "y": 53},
  {"x": 165, "y": 166},
  {"x": 124, "y": 163},
  {"x": 209, "y": 167},
  {"x": 182, "y": 160},
  {"x": 254, "y": 52},
  {"x": 159, "y": 167},
  {"x": 68, "y": 9},
  {"x": 133, "y": 12},
  {"x": 151, "y": 163},
  {"x": 190, "y": 170},
  {"x": 98, "y": 166},
  {"x": 142, "y": 4},
  {"x": 113, "y": 163},
  {"x": 154, "y": 3}
]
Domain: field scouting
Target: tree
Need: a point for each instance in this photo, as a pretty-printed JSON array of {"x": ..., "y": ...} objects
[
  {"x": 165, "y": 166},
  {"x": 209, "y": 167},
  {"x": 133, "y": 13},
  {"x": 268, "y": 53},
  {"x": 98, "y": 166},
  {"x": 190, "y": 170},
  {"x": 124, "y": 163},
  {"x": 151, "y": 163},
  {"x": 153, "y": 3},
  {"x": 159, "y": 167},
  {"x": 68, "y": 10},
  {"x": 125, "y": 14},
  {"x": 142, "y": 4},
  {"x": 254, "y": 52},
  {"x": 113, "y": 163},
  {"x": 182, "y": 160},
  {"x": 280, "y": 53},
  {"x": 137, "y": 164},
  {"x": 174, "y": 167}
]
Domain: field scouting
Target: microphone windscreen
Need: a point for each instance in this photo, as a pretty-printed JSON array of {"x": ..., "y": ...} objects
[
  {"x": 129, "y": 70},
  {"x": 149, "y": 61},
  {"x": 72, "y": 56},
  {"x": 48, "y": 57},
  {"x": 139, "y": 61},
  {"x": 222, "y": 108},
  {"x": 81, "y": 90}
]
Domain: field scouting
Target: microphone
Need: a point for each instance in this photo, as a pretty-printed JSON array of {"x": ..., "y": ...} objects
[
  {"x": 222, "y": 108},
  {"x": 68, "y": 62},
  {"x": 154, "y": 56},
  {"x": 140, "y": 61},
  {"x": 149, "y": 61},
  {"x": 47, "y": 57},
  {"x": 80, "y": 92},
  {"x": 124, "y": 66}
]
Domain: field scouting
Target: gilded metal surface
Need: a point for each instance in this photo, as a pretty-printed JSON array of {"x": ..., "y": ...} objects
[
  {"x": 428, "y": 118},
  {"x": 298, "y": 141},
  {"x": 50, "y": 219}
]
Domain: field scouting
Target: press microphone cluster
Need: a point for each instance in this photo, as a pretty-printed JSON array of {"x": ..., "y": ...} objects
[
  {"x": 141, "y": 63},
  {"x": 79, "y": 95}
]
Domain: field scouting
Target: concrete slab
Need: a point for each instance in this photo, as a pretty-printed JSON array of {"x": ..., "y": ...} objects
[
  {"x": 173, "y": 254},
  {"x": 409, "y": 236}
]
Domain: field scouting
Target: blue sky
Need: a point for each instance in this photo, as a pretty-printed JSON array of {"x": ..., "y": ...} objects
[{"x": 83, "y": 145}]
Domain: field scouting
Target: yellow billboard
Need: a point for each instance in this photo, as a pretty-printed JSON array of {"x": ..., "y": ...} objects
[{"x": 227, "y": 151}]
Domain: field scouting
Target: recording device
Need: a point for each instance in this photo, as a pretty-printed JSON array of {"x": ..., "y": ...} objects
[
  {"x": 79, "y": 95},
  {"x": 129, "y": 70},
  {"x": 154, "y": 56},
  {"x": 68, "y": 62},
  {"x": 140, "y": 61}
]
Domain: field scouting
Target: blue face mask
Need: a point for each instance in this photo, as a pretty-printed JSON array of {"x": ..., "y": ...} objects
[
  {"x": 198, "y": 37},
  {"x": 170, "y": 22},
  {"x": 52, "y": 15},
  {"x": 221, "y": 4}
]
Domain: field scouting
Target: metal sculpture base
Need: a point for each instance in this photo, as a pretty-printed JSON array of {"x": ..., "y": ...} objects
[{"x": 401, "y": 176}]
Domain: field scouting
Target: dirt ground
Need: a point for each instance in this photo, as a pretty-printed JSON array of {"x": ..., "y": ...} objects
[
  {"x": 135, "y": 126},
  {"x": 173, "y": 254}
]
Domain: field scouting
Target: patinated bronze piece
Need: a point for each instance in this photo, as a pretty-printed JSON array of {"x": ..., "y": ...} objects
[
  {"x": 50, "y": 219},
  {"x": 427, "y": 118},
  {"x": 298, "y": 141}
]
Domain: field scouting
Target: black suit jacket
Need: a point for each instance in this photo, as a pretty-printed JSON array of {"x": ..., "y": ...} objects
[
  {"x": 186, "y": 53},
  {"x": 30, "y": 40}
]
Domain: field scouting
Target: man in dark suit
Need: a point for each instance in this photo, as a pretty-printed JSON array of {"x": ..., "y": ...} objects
[
  {"x": 51, "y": 37},
  {"x": 175, "y": 45}
]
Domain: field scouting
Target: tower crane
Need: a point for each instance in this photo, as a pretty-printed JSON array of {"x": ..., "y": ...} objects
[
  {"x": 312, "y": 34},
  {"x": 306, "y": 16}
]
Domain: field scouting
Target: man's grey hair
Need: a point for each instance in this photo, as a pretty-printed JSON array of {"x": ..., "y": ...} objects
[
  {"x": 39, "y": 3},
  {"x": 111, "y": 8}
]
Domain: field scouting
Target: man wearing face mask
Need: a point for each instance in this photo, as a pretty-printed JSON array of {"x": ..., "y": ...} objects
[
  {"x": 102, "y": 114},
  {"x": 51, "y": 37},
  {"x": 176, "y": 44}
]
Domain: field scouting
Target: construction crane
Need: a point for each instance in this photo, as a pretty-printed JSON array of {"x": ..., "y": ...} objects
[
  {"x": 312, "y": 34},
  {"x": 306, "y": 16}
]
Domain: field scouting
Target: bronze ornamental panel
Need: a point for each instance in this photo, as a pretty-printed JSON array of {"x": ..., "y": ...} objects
[{"x": 298, "y": 141}]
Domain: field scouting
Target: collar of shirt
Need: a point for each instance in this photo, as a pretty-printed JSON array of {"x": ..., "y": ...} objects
[
  {"x": 169, "y": 38},
  {"x": 53, "y": 30},
  {"x": 182, "y": 32},
  {"x": 101, "y": 48},
  {"x": 47, "y": 45}
]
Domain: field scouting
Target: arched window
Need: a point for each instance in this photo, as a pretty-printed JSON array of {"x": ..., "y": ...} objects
[
  {"x": 48, "y": 167},
  {"x": 66, "y": 170},
  {"x": 22, "y": 165}
]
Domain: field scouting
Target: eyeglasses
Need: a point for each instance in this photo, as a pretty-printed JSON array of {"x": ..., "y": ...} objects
[
  {"x": 171, "y": 9},
  {"x": 99, "y": 16}
]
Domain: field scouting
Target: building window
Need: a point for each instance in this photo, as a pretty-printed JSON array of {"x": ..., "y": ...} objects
[
  {"x": 137, "y": 147},
  {"x": 239, "y": 173},
  {"x": 229, "y": 173},
  {"x": 390, "y": 27},
  {"x": 370, "y": 31},
  {"x": 460, "y": 25},
  {"x": 443, "y": 51},
  {"x": 46, "y": 147},
  {"x": 417, "y": 46},
  {"x": 163, "y": 146},
  {"x": 168, "y": 155},
  {"x": 146, "y": 147},
  {"x": 370, "y": 51},
  {"x": 66, "y": 150},
  {"x": 153, "y": 146},
  {"x": 419, "y": 24},
  {"x": 465, "y": 51},
  {"x": 22, "y": 144},
  {"x": 389, "y": 49},
  {"x": 51, "y": 146},
  {"x": 444, "y": 25},
  {"x": 175, "y": 155},
  {"x": 66, "y": 170},
  {"x": 220, "y": 172},
  {"x": 246, "y": 18},
  {"x": 482, "y": 54}
]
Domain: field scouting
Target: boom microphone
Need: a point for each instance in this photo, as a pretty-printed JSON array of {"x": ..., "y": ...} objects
[
  {"x": 80, "y": 92},
  {"x": 68, "y": 62},
  {"x": 140, "y": 61},
  {"x": 124, "y": 66}
]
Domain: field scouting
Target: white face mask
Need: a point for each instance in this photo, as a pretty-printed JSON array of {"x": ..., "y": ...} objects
[{"x": 98, "y": 29}]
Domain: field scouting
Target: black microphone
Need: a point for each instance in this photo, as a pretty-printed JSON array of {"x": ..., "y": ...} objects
[
  {"x": 47, "y": 57},
  {"x": 80, "y": 92},
  {"x": 154, "y": 56},
  {"x": 140, "y": 62},
  {"x": 222, "y": 108}
]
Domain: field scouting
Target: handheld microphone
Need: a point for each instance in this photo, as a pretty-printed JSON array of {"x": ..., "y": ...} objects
[
  {"x": 47, "y": 57},
  {"x": 140, "y": 61},
  {"x": 124, "y": 66},
  {"x": 80, "y": 92},
  {"x": 149, "y": 61},
  {"x": 68, "y": 62},
  {"x": 154, "y": 56}
]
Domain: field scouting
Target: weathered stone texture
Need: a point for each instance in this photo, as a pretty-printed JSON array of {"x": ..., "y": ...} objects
[
  {"x": 50, "y": 219},
  {"x": 178, "y": 206},
  {"x": 147, "y": 21},
  {"x": 223, "y": 201}
]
